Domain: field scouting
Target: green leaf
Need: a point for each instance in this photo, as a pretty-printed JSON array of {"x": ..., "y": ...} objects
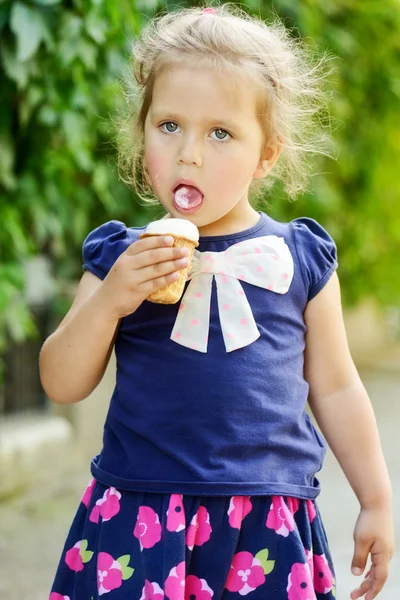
[
  {"x": 124, "y": 560},
  {"x": 15, "y": 70},
  {"x": 127, "y": 572},
  {"x": 96, "y": 28},
  {"x": 267, "y": 565},
  {"x": 86, "y": 556},
  {"x": 7, "y": 155},
  {"x": 28, "y": 28}
]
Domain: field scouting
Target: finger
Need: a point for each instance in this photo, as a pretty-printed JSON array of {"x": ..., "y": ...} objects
[
  {"x": 156, "y": 256},
  {"x": 363, "y": 588},
  {"x": 380, "y": 574},
  {"x": 361, "y": 551},
  {"x": 153, "y": 285},
  {"x": 161, "y": 269},
  {"x": 148, "y": 243}
]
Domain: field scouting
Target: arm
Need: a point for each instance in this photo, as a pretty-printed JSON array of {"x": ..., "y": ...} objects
[
  {"x": 74, "y": 358},
  {"x": 344, "y": 413}
]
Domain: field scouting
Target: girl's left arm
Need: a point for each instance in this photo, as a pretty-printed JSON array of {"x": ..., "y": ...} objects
[{"x": 343, "y": 411}]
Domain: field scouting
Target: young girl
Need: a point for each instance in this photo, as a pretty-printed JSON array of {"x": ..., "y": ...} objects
[{"x": 205, "y": 486}]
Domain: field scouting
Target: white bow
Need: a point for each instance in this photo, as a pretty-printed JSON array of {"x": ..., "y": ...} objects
[{"x": 265, "y": 262}]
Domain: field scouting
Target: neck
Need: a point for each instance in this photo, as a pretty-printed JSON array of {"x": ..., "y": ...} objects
[{"x": 231, "y": 223}]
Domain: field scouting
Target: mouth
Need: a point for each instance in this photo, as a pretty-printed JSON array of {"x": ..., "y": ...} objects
[{"x": 187, "y": 198}]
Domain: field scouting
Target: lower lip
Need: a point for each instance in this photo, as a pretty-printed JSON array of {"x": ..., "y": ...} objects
[{"x": 187, "y": 211}]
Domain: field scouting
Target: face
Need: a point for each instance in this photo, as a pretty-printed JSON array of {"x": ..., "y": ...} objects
[{"x": 203, "y": 128}]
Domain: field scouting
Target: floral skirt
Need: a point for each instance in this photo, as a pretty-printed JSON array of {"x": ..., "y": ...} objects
[{"x": 151, "y": 546}]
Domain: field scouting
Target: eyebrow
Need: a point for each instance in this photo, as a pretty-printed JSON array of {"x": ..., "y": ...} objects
[{"x": 231, "y": 124}]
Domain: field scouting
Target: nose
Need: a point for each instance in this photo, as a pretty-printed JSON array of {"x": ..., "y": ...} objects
[{"x": 190, "y": 152}]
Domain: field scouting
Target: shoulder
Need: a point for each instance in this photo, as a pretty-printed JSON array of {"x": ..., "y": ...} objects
[
  {"x": 104, "y": 244},
  {"x": 316, "y": 252}
]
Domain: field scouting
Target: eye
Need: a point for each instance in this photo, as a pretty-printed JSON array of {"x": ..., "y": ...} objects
[
  {"x": 168, "y": 123},
  {"x": 225, "y": 139}
]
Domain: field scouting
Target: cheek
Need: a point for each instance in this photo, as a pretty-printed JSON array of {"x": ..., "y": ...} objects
[
  {"x": 232, "y": 173},
  {"x": 156, "y": 166}
]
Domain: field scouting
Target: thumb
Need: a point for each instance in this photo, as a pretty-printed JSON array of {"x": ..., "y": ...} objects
[{"x": 361, "y": 550}]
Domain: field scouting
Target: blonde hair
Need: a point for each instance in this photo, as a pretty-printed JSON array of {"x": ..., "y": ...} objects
[{"x": 282, "y": 68}]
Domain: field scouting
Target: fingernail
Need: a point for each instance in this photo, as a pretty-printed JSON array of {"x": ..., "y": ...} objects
[
  {"x": 169, "y": 240},
  {"x": 356, "y": 571}
]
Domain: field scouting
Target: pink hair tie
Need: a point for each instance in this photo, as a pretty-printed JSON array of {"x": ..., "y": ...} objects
[{"x": 210, "y": 11}]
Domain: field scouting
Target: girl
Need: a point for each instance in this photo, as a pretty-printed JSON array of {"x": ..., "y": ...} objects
[{"x": 205, "y": 486}]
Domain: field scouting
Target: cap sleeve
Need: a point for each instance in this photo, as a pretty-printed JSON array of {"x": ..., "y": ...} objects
[
  {"x": 104, "y": 245},
  {"x": 317, "y": 254}
]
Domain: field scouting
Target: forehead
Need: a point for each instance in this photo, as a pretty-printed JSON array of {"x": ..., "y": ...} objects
[{"x": 203, "y": 94}]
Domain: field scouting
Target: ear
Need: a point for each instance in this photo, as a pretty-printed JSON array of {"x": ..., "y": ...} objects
[{"x": 268, "y": 159}]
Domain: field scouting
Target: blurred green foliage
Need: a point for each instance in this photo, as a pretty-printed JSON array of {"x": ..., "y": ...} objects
[{"x": 60, "y": 83}]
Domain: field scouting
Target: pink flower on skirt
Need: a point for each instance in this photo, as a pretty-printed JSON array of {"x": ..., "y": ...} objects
[
  {"x": 88, "y": 493},
  {"x": 174, "y": 586},
  {"x": 73, "y": 558},
  {"x": 323, "y": 578},
  {"x": 109, "y": 573},
  {"x": 310, "y": 562},
  {"x": 293, "y": 504},
  {"x": 199, "y": 530},
  {"x": 245, "y": 575},
  {"x": 311, "y": 510},
  {"x": 55, "y": 596},
  {"x": 77, "y": 556},
  {"x": 300, "y": 585},
  {"x": 151, "y": 591},
  {"x": 147, "y": 528},
  {"x": 198, "y": 588},
  {"x": 107, "y": 506},
  {"x": 175, "y": 514},
  {"x": 280, "y": 518},
  {"x": 239, "y": 508}
]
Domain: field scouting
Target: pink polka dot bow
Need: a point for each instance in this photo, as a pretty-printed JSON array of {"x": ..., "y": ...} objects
[{"x": 265, "y": 262}]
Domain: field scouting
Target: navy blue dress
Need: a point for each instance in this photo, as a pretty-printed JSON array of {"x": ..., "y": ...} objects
[{"x": 205, "y": 486}]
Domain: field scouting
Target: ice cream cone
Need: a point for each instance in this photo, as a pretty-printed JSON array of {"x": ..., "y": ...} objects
[{"x": 185, "y": 235}]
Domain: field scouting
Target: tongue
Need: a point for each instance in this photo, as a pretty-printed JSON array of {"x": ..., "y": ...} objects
[{"x": 187, "y": 196}]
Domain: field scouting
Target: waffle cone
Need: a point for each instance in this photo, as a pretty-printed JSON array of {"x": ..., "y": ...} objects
[{"x": 173, "y": 292}]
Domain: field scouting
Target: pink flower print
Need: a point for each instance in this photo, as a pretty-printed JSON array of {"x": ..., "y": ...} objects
[
  {"x": 239, "y": 508},
  {"x": 323, "y": 578},
  {"x": 245, "y": 575},
  {"x": 198, "y": 588},
  {"x": 293, "y": 504},
  {"x": 109, "y": 573},
  {"x": 88, "y": 493},
  {"x": 147, "y": 528},
  {"x": 151, "y": 591},
  {"x": 280, "y": 517},
  {"x": 310, "y": 562},
  {"x": 311, "y": 510},
  {"x": 199, "y": 530},
  {"x": 174, "y": 586},
  {"x": 107, "y": 506},
  {"x": 300, "y": 585},
  {"x": 77, "y": 556},
  {"x": 55, "y": 596},
  {"x": 175, "y": 514}
]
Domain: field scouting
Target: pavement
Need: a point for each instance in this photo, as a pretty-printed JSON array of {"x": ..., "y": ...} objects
[{"x": 34, "y": 524}]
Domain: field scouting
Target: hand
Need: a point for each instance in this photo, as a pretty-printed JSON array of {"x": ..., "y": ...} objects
[
  {"x": 373, "y": 534},
  {"x": 146, "y": 266}
]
